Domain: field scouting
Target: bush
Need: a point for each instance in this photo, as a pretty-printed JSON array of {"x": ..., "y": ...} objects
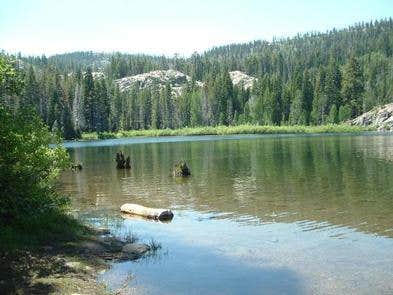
[
  {"x": 28, "y": 167},
  {"x": 105, "y": 135}
]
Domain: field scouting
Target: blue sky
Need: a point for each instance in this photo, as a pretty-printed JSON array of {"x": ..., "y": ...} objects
[{"x": 168, "y": 27}]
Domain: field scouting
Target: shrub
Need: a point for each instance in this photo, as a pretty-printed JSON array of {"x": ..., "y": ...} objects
[{"x": 28, "y": 167}]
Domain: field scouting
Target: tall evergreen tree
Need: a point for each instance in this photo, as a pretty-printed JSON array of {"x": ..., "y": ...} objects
[
  {"x": 353, "y": 85},
  {"x": 89, "y": 101}
]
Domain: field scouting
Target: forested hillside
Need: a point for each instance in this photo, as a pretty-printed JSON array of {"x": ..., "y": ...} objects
[{"x": 310, "y": 79}]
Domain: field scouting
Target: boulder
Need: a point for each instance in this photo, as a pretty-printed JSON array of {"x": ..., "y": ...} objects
[{"x": 134, "y": 251}]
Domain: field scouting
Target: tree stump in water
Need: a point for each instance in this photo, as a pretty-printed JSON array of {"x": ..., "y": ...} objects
[
  {"x": 181, "y": 169},
  {"x": 76, "y": 167},
  {"x": 122, "y": 162}
]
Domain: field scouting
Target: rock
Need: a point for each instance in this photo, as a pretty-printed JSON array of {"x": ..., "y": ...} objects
[
  {"x": 134, "y": 251},
  {"x": 380, "y": 118},
  {"x": 176, "y": 79},
  {"x": 181, "y": 169},
  {"x": 73, "y": 265},
  {"x": 93, "y": 247},
  {"x": 111, "y": 244},
  {"x": 242, "y": 79}
]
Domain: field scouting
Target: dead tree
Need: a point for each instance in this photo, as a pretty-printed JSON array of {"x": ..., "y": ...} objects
[{"x": 122, "y": 162}]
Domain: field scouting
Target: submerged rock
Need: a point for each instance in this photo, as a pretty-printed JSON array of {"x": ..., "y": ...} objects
[
  {"x": 134, "y": 251},
  {"x": 181, "y": 169}
]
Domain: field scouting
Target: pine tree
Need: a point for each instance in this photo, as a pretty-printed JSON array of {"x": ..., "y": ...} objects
[
  {"x": 89, "y": 101},
  {"x": 333, "y": 115},
  {"x": 353, "y": 86},
  {"x": 307, "y": 96},
  {"x": 333, "y": 83},
  {"x": 297, "y": 115},
  {"x": 31, "y": 93}
]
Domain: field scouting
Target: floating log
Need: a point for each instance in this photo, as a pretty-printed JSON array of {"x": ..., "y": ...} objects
[
  {"x": 181, "y": 169},
  {"x": 143, "y": 218},
  {"x": 154, "y": 213},
  {"x": 122, "y": 162}
]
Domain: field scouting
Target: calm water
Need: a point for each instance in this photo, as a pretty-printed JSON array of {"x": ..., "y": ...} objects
[{"x": 260, "y": 214}]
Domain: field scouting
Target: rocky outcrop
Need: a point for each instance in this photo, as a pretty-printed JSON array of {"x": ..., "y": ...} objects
[
  {"x": 240, "y": 78},
  {"x": 177, "y": 80},
  {"x": 380, "y": 118}
]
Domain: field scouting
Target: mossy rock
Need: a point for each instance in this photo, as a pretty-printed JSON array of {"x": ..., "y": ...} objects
[{"x": 181, "y": 169}]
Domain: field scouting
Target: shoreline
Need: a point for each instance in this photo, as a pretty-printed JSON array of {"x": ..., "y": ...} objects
[
  {"x": 71, "y": 266},
  {"x": 228, "y": 130}
]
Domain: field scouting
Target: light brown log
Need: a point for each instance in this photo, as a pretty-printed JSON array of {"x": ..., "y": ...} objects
[{"x": 154, "y": 213}]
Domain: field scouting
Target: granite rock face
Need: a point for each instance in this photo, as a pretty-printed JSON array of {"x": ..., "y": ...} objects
[
  {"x": 240, "y": 78},
  {"x": 176, "y": 79},
  {"x": 381, "y": 118}
]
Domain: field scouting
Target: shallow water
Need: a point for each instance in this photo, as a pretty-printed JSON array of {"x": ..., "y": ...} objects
[{"x": 259, "y": 215}]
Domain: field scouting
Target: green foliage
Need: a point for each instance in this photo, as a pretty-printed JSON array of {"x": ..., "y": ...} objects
[
  {"x": 10, "y": 80},
  {"x": 31, "y": 211},
  {"x": 299, "y": 80},
  {"x": 229, "y": 130},
  {"x": 353, "y": 86},
  {"x": 297, "y": 115},
  {"x": 333, "y": 115},
  {"x": 28, "y": 166},
  {"x": 344, "y": 112}
]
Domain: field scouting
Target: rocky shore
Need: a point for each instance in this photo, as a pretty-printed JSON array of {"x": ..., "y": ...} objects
[
  {"x": 69, "y": 268},
  {"x": 380, "y": 118}
]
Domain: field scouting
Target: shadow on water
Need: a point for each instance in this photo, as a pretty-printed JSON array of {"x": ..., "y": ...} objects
[{"x": 217, "y": 274}]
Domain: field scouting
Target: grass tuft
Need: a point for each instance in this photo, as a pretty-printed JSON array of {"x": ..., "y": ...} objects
[{"x": 154, "y": 245}]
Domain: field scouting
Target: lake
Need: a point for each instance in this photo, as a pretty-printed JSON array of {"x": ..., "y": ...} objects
[{"x": 261, "y": 214}]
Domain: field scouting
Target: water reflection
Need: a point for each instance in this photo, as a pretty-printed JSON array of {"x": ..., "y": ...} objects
[
  {"x": 259, "y": 215},
  {"x": 335, "y": 179}
]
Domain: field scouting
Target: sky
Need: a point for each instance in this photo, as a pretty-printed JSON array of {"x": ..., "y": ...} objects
[{"x": 169, "y": 27}]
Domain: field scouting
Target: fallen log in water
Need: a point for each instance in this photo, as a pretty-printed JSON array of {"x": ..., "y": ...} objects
[
  {"x": 143, "y": 218},
  {"x": 154, "y": 213}
]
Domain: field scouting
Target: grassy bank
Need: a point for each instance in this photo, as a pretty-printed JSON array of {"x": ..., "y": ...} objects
[
  {"x": 46, "y": 253},
  {"x": 228, "y": 130}
]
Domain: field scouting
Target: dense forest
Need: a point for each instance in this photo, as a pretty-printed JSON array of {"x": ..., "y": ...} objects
[{"x": 310, "y": 79}]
